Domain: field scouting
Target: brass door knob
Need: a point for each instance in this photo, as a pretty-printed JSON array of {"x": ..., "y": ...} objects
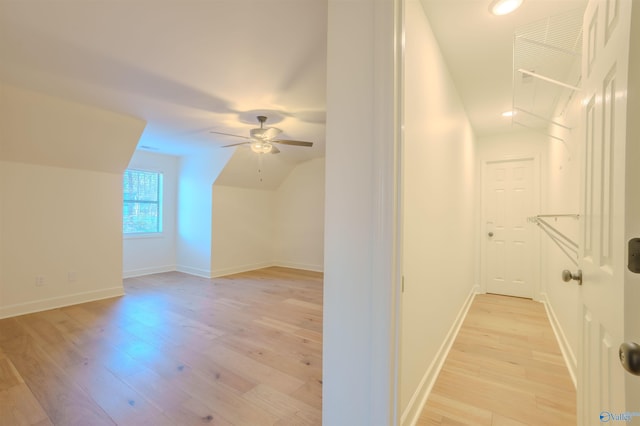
[{"x": 568, "y": 276}]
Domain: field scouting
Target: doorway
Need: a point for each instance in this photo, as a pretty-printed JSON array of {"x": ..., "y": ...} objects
[{"x": 510, "y": 194}]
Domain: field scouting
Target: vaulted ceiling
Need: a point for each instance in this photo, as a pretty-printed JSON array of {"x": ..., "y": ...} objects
[
  {"x": 189, "y": 67},
  {"x": 186, "y": 67}
]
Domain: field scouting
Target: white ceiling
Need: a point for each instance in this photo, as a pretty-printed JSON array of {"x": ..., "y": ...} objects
[
  {"x": 191, "y": 66},
  {"x": 478, "y": 48},
  {"x": 186, "y": 67}
]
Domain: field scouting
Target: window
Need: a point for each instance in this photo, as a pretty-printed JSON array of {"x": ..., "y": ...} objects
[{"x": 142, "y": 202}]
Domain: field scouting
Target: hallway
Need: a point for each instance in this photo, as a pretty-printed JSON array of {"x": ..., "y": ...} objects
[{"x": 505, "y": 368}]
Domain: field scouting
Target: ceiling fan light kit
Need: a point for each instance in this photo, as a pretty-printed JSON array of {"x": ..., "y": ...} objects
[
  {"x": 261, "y": 147},
  {"x": 261, "y": 139}
]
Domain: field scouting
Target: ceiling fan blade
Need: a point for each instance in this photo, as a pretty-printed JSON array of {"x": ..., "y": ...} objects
[
  {"x": 229, "y": 134},
  {"x": 235, "y": 144},
  {"x": 274, "y": 150},
  {"x": 290, "y": 142}
]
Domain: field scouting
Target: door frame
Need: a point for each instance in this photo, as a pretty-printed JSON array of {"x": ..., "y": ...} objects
[{"x": 494, "y": 157}]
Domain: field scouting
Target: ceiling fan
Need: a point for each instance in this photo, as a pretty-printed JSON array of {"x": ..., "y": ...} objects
[{"x": 261, "y": 139}]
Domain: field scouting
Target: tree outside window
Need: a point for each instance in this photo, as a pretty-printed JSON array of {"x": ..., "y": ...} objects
[{"x": 142, "y": 202}]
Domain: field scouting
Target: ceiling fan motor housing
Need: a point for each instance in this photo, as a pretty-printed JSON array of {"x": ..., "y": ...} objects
[
  {"x": 260, "y": 140},
  {"x": 258, "y": 133}
]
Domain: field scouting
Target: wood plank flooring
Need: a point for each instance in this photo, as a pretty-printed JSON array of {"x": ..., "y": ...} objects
[
  {"x": 505, "y": 369},
  {"x": 176, "y": 350}
]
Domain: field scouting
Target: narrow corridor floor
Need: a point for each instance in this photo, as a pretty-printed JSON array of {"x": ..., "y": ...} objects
[{"x": 505, "y": 369}]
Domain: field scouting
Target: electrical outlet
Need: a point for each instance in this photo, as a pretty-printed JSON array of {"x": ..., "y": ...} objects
[
  {"x": 39, "y": 281},
  {"x": 72, "y": 276}
]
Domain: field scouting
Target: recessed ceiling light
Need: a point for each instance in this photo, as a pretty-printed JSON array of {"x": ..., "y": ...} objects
[
  {"x": 509, "y": 113},
  {"x": 504, "y": 7}
]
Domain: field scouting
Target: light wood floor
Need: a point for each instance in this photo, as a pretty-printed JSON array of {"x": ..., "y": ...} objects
[
  {"x": 504, "y": 369},
  {"x": 177, "y": 350}
]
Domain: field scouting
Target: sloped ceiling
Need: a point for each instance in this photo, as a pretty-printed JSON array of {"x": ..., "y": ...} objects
[
  {"x": 247, "y": 169},
  {"x": 188, "y": 67},
  {"x": 45, "y": 130},
  {"x": 185, "y": 67},
  {"x": 478, "y": 48}
]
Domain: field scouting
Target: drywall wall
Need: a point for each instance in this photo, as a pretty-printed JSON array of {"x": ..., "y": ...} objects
[
  {"x": 439, "y": 211},
  {"x": 360, "y": 284},
  {"x": 61, "y": 200},
  {"x": 149, "y": 254},
  {"x": 561, "y": 194},
  {"x": 242, "y": 221},
  {"x": 61, "y": 237},
  {"x": 299, "y": 218},
  {"x": 254, "y": 228},
  {"x": 242, "y": 229},
  {"x": 512, "y": 145},
  {"x": 197, "y": 173}
]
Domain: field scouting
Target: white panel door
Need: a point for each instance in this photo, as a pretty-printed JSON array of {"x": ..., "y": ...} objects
[
  {"x": 602, "y": 383},
  {"x": 509, "y": 198}
]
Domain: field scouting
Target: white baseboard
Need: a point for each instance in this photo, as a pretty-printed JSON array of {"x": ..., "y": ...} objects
[
  {"x": 60, "y": 301},
  {"x": 221, "y": 272},
  {"x": 204, "y": 273},
  {"x": 301, "y": 266},
  {"x": 568, "y": 355},
  {"x": 148, "y": 271},
  {"x": 419, "y": 399}
]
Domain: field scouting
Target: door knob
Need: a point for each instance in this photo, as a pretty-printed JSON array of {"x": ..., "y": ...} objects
[
  {"x": 630, "y": 357},
  {"x": 568, "y": 276},
  {"x": 490, "y": 234}
]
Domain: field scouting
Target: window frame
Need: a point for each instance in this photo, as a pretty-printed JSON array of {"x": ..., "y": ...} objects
[{"x": 159, "y": 203}]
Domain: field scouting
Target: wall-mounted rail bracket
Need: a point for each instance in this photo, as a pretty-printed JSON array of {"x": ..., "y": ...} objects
[{"x": 564, "y": 243}]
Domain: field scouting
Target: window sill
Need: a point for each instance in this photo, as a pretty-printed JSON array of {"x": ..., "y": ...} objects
[{"x": 142, "y": 235}]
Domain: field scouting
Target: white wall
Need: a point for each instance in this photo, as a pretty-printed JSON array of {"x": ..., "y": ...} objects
[
  {"x": 255, "y": 228},
  {"x": 299, "y": 218},
  {"x": 242, "y": 229},
  {"x": 516, "y": 144},
  {"x": 561, "y": 194},
  {"x": 154, "y": 253},
  {"x": 61, "y": 167},
  {"x": 439, "y": 237},
  {"x": 64, "y": 225},
  {"x": 360, "y": 283},
  {"x": 196, "y": 177},
  {"x": 212, "y": 230}
]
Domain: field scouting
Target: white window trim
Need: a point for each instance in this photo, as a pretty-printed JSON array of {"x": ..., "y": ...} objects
[{"x": 161, "y": 204}]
